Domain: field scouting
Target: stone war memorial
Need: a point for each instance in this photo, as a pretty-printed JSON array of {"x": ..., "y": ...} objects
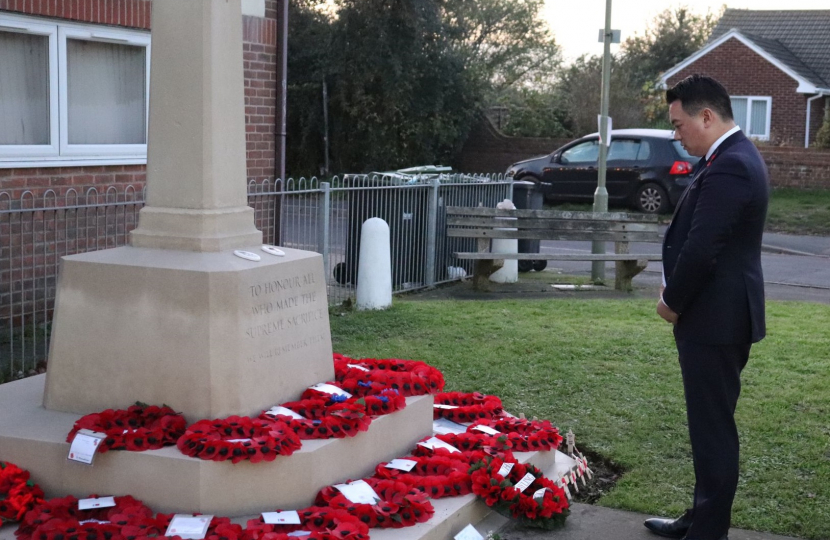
[{"x": 197, "y": 315}]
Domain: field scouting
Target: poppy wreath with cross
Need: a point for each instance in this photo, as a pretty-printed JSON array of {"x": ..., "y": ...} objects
[
  {"x": 400, "y": 505},
  {"x": 18, "y": 494},
  {"x": 321, "y": 522},
  {"x": 140, "y": 427},
  {"x": 238, "y": 438},
  {"x": 539, "y": 502}
]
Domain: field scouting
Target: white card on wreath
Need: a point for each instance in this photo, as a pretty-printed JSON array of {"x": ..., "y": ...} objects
[
  {"x": 434, "y": 442},
  {"x": 284, "y": 411},
  {"x": 330, "y": 389},
  {"x": 539, "y": 493},
  {"x": 442, "y": 406},
  {"x": 358, "y": 492},
  {"x": 487, "y": 429},
  {"x": 100, "y": 502},
  {"x": 405, "y": 465},
  {"x": 525, "y": 482},
  {"x": 505, "y": 469},
  {"x": 468, "y": 533},
  {"x": 84, "y": 445},
  {"x": 442, "y": 426},
  {"x": 287, "y": 517},
  {"x": 299, "y": 533},
  {"x": 188, "y": 526},
  {"x": 355, "y": 366}
]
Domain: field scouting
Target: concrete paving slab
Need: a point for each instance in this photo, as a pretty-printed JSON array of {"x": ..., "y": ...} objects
[{"x": 588, "y": 522}]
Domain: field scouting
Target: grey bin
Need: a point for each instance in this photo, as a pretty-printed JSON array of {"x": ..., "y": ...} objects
[
  {"x": 407, "y": 226},
  {"x": 528, "y": 196}
]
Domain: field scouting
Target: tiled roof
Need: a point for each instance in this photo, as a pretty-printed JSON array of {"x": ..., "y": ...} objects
[{"x": 800, "y": 39}]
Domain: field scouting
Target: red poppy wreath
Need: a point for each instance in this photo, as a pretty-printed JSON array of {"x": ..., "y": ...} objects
[
  {"x": 322, "y": 522},
  {"x": 238, "y": 438},
  {"x": 400, "y": 505},
  {"x": 466, "y": 407},
  {"x": 524, "y": 435},
  {"x": 18, "y": 494},
  {"x": 60, "y": 518},
  {"x": 369, "y": 376},
  {"x": 140, "y": 427},
  {"x": 437, "y": 476},
  {"x": 323, "y": 419}
]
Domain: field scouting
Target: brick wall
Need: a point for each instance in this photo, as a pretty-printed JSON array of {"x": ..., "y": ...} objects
[
  {"x": 745, "y": 73},
  {"x": 32, "y": 243},
  {"x": 259, "y": 62},
  {"x": 487, "y": 150},
  {"x": 804, "y": 168},
  {"x": 131, "y": 13}
]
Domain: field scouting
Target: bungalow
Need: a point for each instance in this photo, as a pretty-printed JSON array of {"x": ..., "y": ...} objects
[{"x": 776, "y": 66}]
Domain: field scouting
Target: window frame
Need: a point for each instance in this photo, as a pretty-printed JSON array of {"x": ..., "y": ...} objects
[
  {"x": 30, "y": 27},
  {"x": 748, "y": 130},
  {"x": 59, "y": 153}
]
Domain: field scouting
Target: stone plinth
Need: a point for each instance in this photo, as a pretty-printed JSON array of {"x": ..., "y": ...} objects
[
  {"x": 196, "y": 169},
  {"x": 209, "y": 334},
  {"x": 35, "y": 438}
]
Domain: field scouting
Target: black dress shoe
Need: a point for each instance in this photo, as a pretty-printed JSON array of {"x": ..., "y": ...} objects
[{"x": 670, "y": 528}]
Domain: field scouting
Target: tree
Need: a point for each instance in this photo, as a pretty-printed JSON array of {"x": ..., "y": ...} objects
[
  {"x": 532, "y": 112},
  {"x": 399, "y": 95},
  {"x": 501, "y": 42},
  {"x": 673, "y": 35},
  {"x": 309, "y": 40},
  {"x": 580, "y": 90}
]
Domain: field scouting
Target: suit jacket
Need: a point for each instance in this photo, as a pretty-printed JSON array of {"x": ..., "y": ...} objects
[{"x": 712, "y": 248}]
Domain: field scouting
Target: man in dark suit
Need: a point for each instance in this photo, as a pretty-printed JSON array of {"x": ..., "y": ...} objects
[{"x": 713, "y": 293}]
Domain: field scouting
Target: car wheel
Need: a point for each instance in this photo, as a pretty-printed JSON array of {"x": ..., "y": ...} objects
[
  {"x": 525, "y": 266},
  {"x": 651, "y": 199},
  {"x": 540, "y": 265}
]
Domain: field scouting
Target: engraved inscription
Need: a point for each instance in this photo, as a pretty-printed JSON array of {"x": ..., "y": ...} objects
[
  {"x": 276, "y": 303},
  {"x": 296, "y": 345}
]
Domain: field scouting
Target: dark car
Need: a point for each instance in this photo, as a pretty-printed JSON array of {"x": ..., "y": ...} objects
[{"x": 646, "y": 169}]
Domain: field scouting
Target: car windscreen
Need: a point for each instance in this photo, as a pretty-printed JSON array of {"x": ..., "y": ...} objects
[{"x": 682, "y": 151}]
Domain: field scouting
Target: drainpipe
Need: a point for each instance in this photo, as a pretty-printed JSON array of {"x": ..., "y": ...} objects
[
  {"x": 279, "y": 120},
  {"x": 807, "y": 125}
]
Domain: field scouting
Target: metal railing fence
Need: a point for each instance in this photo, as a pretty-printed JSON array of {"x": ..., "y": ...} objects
[{"x": 308, "y": 214}]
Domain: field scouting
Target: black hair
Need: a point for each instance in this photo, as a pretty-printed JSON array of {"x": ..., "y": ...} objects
[{"x": 698, "y": 92}]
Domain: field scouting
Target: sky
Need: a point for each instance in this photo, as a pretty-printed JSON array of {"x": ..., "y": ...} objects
[{"x": 575, "y": 23}]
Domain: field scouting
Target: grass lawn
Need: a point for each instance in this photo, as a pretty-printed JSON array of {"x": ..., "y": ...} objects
[
  {"x": 791, "y": 211},
  {"x": 799, "y": 211},
  {"x": 607, "y": 369}
]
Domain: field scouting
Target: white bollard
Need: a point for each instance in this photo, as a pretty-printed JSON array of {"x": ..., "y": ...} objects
[
  {"x": 374, "y": 271},
  {"x": 509, "y": 273}
]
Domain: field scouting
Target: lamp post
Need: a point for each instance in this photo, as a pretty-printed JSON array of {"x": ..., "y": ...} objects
[{"x": 601, "y": 193}]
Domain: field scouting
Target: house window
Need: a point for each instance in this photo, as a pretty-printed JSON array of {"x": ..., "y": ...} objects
[
  {"x": 752, "y": 113},
  {"x": 72, "y": 93}
]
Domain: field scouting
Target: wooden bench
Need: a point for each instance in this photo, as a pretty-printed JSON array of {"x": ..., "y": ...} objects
[{"x": 484, "y": 224}]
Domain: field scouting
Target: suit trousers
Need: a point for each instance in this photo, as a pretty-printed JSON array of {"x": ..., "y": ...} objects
[{"x": 712, "y": 384}]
